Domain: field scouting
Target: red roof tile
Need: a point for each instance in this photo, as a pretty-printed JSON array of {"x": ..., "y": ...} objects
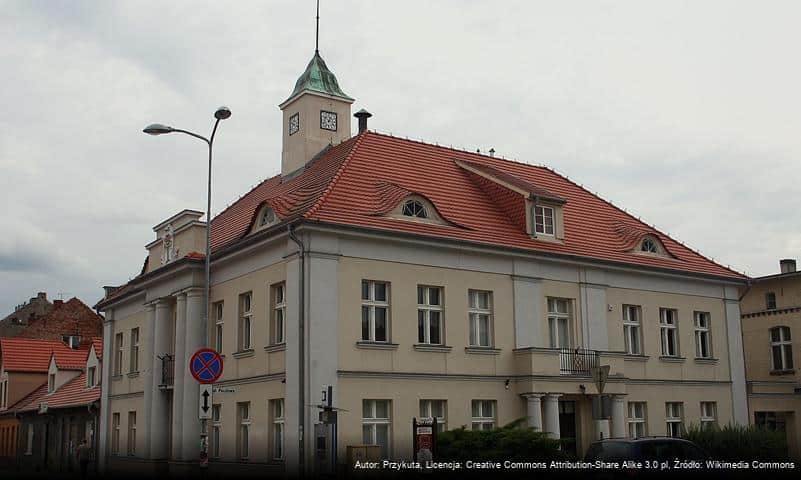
[{"x": 32, "y": 355}]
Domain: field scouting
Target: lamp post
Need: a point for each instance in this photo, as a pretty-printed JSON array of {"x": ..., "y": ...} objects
[{"x": 158, "y": 129}]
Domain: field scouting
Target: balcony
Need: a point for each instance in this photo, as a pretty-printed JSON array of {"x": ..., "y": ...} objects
[
  {"x": 577, "y": 361},
  {"x": 167, "y": 371}
]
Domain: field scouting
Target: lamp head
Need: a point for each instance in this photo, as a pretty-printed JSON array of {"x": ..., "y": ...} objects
[
  {"x": 157, "y": 129},
  {"x": 222, "y": 113}
]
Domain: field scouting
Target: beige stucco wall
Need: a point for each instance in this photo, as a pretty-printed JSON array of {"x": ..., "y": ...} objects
[
  {"x": 21, "y": 384},
  {"x": 130, "y": 382},
  {"x": 300, "y": 147},
  {"x": 123, "y": 406}
]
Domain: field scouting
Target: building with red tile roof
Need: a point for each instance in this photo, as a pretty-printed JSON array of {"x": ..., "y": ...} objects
[{"x": 413, "y": 280}]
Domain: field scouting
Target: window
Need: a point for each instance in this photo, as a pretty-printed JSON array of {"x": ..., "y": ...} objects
[
  {"x": 134, "y": 350},
  {"x": 118, "y": 354},
  {"x": 267, "y": 217},
  {"x": 278, "y": 328},
  {"x": 4, "y": 393},
  {"x": 216, "y": 426},
  {"x": 277, "y": 415},
  {"x": 638, "y": 426},
  {"x": 709, "y": 414},
  {"x": 632, "y": 333},
  {"x": 543, "y": 220},
  {"x": 435, "y": 409},
  {"x": 376, "y": 424},
  {"x": 770, "y": 301},
  {"x": 480, "y": 317},
  {"x": 131, "y": 433},
  {"x": 781, "y": 348},
  {"x": 218, "y": 326},
  {"x": 414, "y": 208},
  {"x": 375, "y": 309},
  {"x": 770, "y": 421},
  {"x": 703, "y": 339},
  {"x": 294, "y": 124},
  {"x": 674, "y": 417},
  {"x": 115, "y": 434},
  {"x": 429, "y": 315},
  {"x": 668, "y": 328},
  {"x": 483, "y": 414},
  {"x": 245, "y": 320},
  {"x": 559, "y": 322},
  {"x": 73, "y": 341},
  {"x": 29, "y": 441},
  {"x": 90, "y": 377},
  {"x": 243, "y": 443},
  {"x": 328, "y": 120},
  {"x": 649, "y": 246},
  {"x": 51, "y": 383}
]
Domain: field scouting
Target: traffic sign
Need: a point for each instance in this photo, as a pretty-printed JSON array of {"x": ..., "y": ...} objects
[
  {"x": 205, "y": 401},
  {"x": 206, "y": 365}
]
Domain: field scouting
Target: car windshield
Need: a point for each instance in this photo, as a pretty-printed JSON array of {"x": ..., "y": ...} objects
[{"x": 609, "y": 451}]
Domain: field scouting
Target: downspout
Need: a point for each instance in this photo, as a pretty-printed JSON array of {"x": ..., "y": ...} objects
[{"x": 301, "y": 350}]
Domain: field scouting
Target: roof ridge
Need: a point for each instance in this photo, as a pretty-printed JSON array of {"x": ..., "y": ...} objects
[
  {"x": 641, "y": 222},
  {"x": 311, "y": 210}
]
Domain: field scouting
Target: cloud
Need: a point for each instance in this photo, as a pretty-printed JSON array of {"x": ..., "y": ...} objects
[{"x": 678, "y": 112}]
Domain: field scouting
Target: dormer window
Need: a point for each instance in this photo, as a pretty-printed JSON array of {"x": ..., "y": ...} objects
[
  {"x": 414, "y": 208},
  {"x": 543, "y": 220},
  {"x": 90, "y": 377},
  {"x": 649, "y": 246},
  {"x": 267, "y": 217},
  {"x": 51, "y": 383}
]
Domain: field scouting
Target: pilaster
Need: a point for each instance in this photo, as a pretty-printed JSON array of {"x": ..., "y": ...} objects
[
  {"x": 159, "y": 406},
  {"x": 195, "y": 338},
  {"x": 105, "y": 390},
  {"x": 551, "y": 414},
  {"x": 180, "y": 366}
]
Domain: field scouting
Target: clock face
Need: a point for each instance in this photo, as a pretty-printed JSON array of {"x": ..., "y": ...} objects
[
  {"x": 294, "y": 124},
  {"x": 328, "y": 121}
]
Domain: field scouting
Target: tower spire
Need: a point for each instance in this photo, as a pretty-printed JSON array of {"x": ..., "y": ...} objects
[{"x": 317, "y": 30}]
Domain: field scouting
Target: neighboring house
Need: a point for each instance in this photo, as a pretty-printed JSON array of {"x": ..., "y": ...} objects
[
  {"x": 416, "y": 280},
  {"x": 70, "y": 321},
  {"x": 771, "y": 312}
]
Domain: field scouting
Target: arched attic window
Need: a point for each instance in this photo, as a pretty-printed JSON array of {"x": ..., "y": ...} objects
[
  {"x": 414, "y": 208},
  {"x": 650, "y": 245},
  {"x": 417, "y": 208}
]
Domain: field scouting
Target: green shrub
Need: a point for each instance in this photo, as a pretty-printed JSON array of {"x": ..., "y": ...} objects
[
  {"x": 514, "y": 441},
  {"x": 737, "y": 442}
]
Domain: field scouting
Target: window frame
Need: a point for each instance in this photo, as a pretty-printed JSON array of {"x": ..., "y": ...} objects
[
  {"x": 91, "y": 373},
  {"x": 219, "y": 324},
  {"x": 537, "y": 223},
  {"x": 703, "y": 334},
  {"x": 483, "y": 421},
  {"x": 334, "y": 116},
  {"x": 555, "y": 319},
  {"x": 427, "y": 411},
  {"x": 131, "y": 444},
  {"x": 277, "y": 433},
  {"x": 373, "y": 421},
  {"x": 245, "y": 330},
  {"x": 51, "y": 382},
  {"x": 671, "y": 420},
  {"x": 295, "y": 116},
  {"x": 372, "y": 305},
  {"x": 709, "y": 414},
  {"x": 244, "y": 422},
  {"x": 133, "y": 360},
  {"x": 637, "y": 422},
  {"x": 119, "y": 345},
  {"x": 669, "y": 330},
  {"x": 475, "y": 313},
  {"x": 426, "y": 309},
  {"x": 115, "y": 433},
  {"x": 418, "y": 209},
  {"x": 770, "y": 300},
  {"x": 216, "y": 430},
  {"x": 785, "y": 345},
  {"x": 632, "y": 330},
  {"x": 278, "y": 313}
]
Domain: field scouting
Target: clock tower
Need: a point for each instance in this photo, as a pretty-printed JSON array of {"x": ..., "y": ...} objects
[{"x": 316, "y": 114}]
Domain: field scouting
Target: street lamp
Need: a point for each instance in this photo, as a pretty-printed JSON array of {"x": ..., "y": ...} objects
[{"x": 158, "y": 129}]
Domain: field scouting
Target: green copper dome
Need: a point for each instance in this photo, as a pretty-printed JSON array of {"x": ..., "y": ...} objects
[{"x": 318, "y": 78}]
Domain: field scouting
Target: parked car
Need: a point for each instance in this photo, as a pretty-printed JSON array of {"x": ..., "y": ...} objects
[{"x": 645, "y": 449}]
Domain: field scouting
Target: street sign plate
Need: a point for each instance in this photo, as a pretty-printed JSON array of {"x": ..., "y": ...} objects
[
  {"x": 206, "y": 365},
  {"x": 205, "y": 402}
]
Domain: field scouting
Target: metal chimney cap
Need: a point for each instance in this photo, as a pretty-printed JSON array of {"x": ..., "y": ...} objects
[{"x": 362, "y": 113}]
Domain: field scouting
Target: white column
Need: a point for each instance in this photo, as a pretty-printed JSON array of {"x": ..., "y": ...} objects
[
  {"x": 618, "y": 416},
  {"x": 534, "y": 410},
  {"x": 195, "y": 338},
  {"x": 180, "y": 366},
  {"x": 105, "y": 372},
  {"x": 150, "y": 370},
  {"x": 551, "y": 414},
  {"x": 601, "y": 428},
  {"x": 159, "y": 407}
]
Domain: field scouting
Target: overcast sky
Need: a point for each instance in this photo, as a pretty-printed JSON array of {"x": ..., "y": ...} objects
[{"x": 687, "y": 113}]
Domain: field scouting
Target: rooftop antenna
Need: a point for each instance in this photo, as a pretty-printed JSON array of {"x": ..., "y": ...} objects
[{"x": 317, "y": 31}]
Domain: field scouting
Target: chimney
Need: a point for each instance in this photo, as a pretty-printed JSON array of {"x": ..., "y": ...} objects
[
  {"x": 787, "y": 265},
  {"x": 58, "y": 303},
  {"x": 42, "y": 295},
  {"x": 362, "y": 115}
]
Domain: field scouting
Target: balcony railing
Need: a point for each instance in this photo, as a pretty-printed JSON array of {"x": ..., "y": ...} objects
[
  {"x": 577, "y": 361},
  {"x": 167, "y": 371}
]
